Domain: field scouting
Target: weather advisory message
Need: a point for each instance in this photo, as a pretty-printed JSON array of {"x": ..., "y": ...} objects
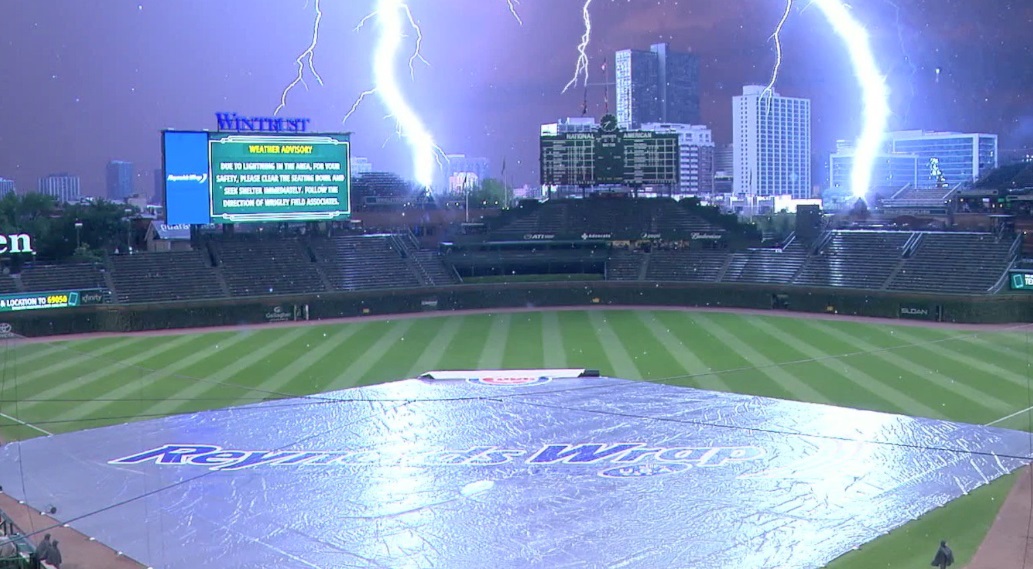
[{"x": 279, "y": 178}]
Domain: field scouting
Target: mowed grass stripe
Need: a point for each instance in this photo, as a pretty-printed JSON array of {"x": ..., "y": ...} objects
[
  {"x": 494, "y": 348},
  {"x": 554, "y": 354},
  {"x": 835, "y": 386},
  {"x": 736, "y": 337},
  {"x": 689, "y": 362},
  {"x": 77, "y": 360},
  {"x": 400, "y": 358},
  {"x": 621, "y": 362},
  {"x": 524, "y": 349},
  {"x": 173, "y": 376},
  {"x": 713, "y": 354},
  {"x": 957, "y": 354},
  {"x": 652, "y": 360},
  {"x": 129, "y": 370},
  {"x": 465, "y": 349},
  {"x": 580, "y": 343},
  {"x": 310, "y": 373},
  {"x": 230, "y": 373},
  {"x": 877, "y": 385},
  {"x": 436, "y": 351},
  {"x": 364, "y": 362},
  {"x": 966, "y": 401}
]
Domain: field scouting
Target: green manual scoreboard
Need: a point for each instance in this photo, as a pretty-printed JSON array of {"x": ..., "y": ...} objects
[{"x": 279, "y": 178}]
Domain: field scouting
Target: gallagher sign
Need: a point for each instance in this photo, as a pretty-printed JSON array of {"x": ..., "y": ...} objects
[{"x": 614, "y": 460}]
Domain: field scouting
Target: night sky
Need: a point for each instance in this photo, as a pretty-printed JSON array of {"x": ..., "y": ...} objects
[{"x": 86, "y": 81}]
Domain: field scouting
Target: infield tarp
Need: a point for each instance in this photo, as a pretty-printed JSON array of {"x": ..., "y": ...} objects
[{"x": 592, "y": 472}]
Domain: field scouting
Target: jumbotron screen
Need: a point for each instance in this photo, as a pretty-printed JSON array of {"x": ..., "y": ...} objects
[
  {"x": 630, "y": 158},
  {"x": 219, "y": 177}
]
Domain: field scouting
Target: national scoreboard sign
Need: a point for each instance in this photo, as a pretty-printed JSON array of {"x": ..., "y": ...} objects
[
  {"x": 1021, "y": 280},
  {"x": 629, "y": 158},
  {"x": 50, "y": 300},
  {"x": 286, "y": 176}
]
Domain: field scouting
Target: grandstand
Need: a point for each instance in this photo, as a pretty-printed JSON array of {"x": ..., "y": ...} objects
[{"x": 620, "y": 239}]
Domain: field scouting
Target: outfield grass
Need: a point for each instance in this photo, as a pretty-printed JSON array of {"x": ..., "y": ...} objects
[{"x": 939, "y": 373}]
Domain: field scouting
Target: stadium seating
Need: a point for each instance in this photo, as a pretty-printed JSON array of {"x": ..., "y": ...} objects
[
  {"x": 357, "y": 262},
  {"x": 766, "y": 265},
  {"x": 614, "y": 216},
  {"x": 686, "y": 265},
  {"x": 855, "y": 259},
  {"x": 433, "y": 268},
  {"x": 8, "y": 284},
  {"x": 625, "y": 265},
  {"x": 260, "y": 267},
  {"x": 956, "y": 263},
  {"x": 165, "y": 276},
  {"x": 76, "y": 276}
]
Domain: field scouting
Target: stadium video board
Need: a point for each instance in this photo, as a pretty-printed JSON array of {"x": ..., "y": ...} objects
[
  {"x": 221, "y": 177},
  {"x": 629, "y": 158}
]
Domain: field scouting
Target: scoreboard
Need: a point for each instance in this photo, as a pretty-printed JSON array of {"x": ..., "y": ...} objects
[
  {"x": 630, "y": 158},
  {"x": 255, "y": 177}
]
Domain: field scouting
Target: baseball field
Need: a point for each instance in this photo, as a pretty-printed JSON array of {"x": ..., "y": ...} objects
[{"x": 976, "y": 376}]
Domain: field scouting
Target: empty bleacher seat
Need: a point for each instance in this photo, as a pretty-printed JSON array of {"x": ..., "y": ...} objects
[
  {"x": 774, "y": 266},
  {"x": 164, "y": 276},
  {"x": 625, "y": 265},
  {"x": 358, "y": 262},
  {"x": 75, "y": 276},
  {"x": 969, "y": 263},
  {"x": 855, "y": 259},
  {"x": 686, "y": 265},
  {"x": 258, "y": 267}
]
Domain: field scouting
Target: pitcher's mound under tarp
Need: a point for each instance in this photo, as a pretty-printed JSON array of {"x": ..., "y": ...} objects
[{"x": 509, "y": 470}]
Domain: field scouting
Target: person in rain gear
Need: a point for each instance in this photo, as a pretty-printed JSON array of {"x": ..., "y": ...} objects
[
  {"x": 53, "y": 555},
  {"x": 944, "y": 556}
]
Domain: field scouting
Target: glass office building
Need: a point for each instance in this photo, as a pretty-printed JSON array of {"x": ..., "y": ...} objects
[{"x": 961, "y": 157}]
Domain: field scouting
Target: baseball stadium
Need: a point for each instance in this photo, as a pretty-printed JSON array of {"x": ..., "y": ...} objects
[{"x": 612, "y": 381}]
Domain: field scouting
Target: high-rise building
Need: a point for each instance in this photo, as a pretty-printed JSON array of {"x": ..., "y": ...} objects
[
  {"x": 959, "y": 157},
  {"x": 571, "y": 124},
  {"x": 696, "y": 149},
  {"x": 657, "y": 86},
  {"x": 62, "y": 187},
  {"x": 359, "y": 166},
  {"x": 771, "y": 138},
  {"x": 6, "y": 187},
  {"x": 462, "y": 172},
  {"x": 890, "y": 171},
  {"x": 159, "y": 187},
  {"x": 120, "y": 180}
]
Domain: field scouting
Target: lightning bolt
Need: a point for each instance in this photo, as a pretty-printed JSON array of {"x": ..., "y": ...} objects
[
  {"x": 769, "y": 91},
  {"x": 391, "y": 16},
  {"x": 874, "y": 92},
  {"x": 581, "y": 67},
  {"x": 307, "y": 54},
  {"x": 512, "y": 10}
]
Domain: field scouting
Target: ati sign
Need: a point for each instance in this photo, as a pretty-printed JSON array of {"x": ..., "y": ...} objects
[{"x": 614, "y": 460}]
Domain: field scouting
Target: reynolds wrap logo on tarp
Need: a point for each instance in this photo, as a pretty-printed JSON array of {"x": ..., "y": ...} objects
[{"x": 615, "y": 460}]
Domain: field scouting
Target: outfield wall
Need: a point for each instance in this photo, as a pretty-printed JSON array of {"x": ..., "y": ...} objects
[{"x": 1005, "y": 308}]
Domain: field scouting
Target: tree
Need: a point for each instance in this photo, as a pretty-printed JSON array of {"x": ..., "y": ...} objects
[{"x": 490, "y": 194}]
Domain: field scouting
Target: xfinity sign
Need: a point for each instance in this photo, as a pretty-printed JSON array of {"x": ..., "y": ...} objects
[{"x": 15, "y": 244}]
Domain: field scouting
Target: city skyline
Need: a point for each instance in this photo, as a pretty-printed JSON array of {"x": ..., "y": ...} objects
[{"x": 99, "y": 100}]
